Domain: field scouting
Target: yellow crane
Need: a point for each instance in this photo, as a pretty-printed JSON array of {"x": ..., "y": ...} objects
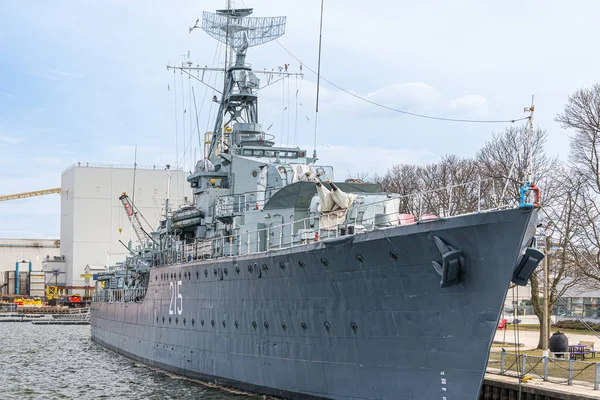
[{"x": 29, "y": 194}]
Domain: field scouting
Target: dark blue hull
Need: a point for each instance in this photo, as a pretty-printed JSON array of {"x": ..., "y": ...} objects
[{"x": 358, "y": 317}]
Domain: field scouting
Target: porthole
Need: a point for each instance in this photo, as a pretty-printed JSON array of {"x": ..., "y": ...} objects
[
  {"x": 394, "y": 255},
  {"x": 176, "y": 320},
  {"x": 254, "y": 173},
  {"x": 266, "y": 325},
  {"x": 301, "y": 264},
  {"x": 155, "y": 277},
  {"x": 281, "y": 265},
  {"x": 169, "y": 319},
  {"x": 215, "y": 272},
  {"x": 202, "y": 322},
  {"x": 283, "y": 326},
  {"x": 324, "y": 262},
  {"x": 327, "y": 326},
  {"x": 206, "y": 272},
  {"x": 212, "y": 322},
  {"x": 236, "y": 324},
  {"x": 197, "y": 275},
  {"x": 193, "y": 322},
  {"x": 237, "y": 270},
  {"x": 223, "y": 322},
  {"x": 359, "y": 258},
  {"x": 163, "y": 320},
  {"x": 264, "y": 267},
  {"x": 225, "y": 271},
  {"x": 184, "y": 321},
  {"x": 254, "y": 325},
  {"x": 157, "y": 318},
  {"x": 304, "y": 326},
  {"x": 354, "y": 327}
]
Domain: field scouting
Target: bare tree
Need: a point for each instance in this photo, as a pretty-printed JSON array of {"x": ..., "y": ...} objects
[
  {"x": 561, "y": 221},
  {"x": 582, "y": 116},
  {"x": 504, "y": 160}
]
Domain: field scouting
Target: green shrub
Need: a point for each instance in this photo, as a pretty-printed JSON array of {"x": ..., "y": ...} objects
[{"x": 574, "y": 324}]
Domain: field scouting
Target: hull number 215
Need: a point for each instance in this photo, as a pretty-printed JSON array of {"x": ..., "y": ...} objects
[{"x": 176, "y": 304}]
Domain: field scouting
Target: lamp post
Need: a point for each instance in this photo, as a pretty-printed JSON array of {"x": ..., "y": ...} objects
[{"x": 545, "y": 324}]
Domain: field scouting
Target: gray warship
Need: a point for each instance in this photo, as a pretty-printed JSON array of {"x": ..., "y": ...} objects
[{"x": 282, "y": 281}]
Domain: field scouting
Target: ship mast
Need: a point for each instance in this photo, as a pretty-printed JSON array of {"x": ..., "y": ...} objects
[{"x": 237, "y": 120}]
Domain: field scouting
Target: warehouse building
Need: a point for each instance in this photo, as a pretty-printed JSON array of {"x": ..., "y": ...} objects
[{"x": 95, "y": 228}]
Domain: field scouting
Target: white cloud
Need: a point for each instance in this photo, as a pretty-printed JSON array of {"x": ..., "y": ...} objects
[
  {"x": 10, "y": 139},
  {"x": 48, "y": 161},
  {"x": 350, "y": 160},
  {"x": 408, "y": 95},
  {"x": 470, "y": 105},
  {"x": 54, "y": 74}
]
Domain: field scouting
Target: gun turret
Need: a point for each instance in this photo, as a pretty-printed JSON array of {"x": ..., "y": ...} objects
[
  {"x": 339, "y": 197},
  {"x": 326, "y": 203}
]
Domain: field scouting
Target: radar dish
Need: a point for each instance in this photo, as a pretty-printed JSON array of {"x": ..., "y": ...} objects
[{"x": 240, "y": 32}]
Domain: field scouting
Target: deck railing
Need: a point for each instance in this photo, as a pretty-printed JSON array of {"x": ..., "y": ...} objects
[
  {"x": 132, "y": 295},
  {"x": 453, "y": 200}
]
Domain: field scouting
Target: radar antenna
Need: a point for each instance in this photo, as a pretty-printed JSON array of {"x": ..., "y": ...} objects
[
  {"x": 234, "y": 28},
  {"x": 237, "y": 119}
]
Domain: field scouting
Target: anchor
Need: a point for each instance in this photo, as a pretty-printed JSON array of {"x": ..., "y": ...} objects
[{"x": 452, "y": 261}]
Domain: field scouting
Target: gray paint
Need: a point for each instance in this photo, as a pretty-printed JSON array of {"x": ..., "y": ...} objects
[{"x": 410, "y": 333}]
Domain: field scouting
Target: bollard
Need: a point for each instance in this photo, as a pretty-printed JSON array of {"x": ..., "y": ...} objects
[
  {"x": 523, "y": 363},
  {"x": 570, "y": 381},
  {"x": 546, "y": 368},
  {"x": 502, "y": 358},
  {"x": 597, "y": 377}
]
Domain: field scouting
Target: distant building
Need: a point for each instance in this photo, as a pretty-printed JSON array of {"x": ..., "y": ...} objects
[
  {"x": 34, "y": 250},
  {"x": 93, "y": 219},
  {"x": 578, "y": 301},
  {"x": 23, "y": 251}
]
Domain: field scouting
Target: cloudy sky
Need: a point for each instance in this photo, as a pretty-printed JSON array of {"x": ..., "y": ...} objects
[{"x": 86, "y": 81}]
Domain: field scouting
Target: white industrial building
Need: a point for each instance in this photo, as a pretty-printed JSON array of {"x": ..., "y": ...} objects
[
  {"x": 23, "y": 251},
  {"x": 34, "y": 250},
  {"x": 93, "y": 219}
]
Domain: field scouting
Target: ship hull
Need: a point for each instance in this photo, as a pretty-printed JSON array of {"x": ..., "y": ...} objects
[{"x": 356, "y": 317}]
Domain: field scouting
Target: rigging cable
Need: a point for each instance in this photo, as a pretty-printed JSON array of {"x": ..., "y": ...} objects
[
  {"x": 288, "y": 110},
  {"x": 318, "y": 80},
  {"x": 214, "y": 76},
  {"x": 183, "y": 117},
  {"x": 282, "y": 108},
  {"x": 296, "y": 116},
  {"x": 176, "y": 131},
  {"x": 481, "y": 121},
  {"x": 191, "y": 125}
]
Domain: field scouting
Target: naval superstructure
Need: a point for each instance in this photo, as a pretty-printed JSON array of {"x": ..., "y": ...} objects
[{"x": 282, "y": 280}]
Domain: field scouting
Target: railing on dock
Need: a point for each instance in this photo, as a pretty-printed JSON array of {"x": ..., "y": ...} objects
[
  {"x": 556, "y": 370},
  {"x": 8, "y": 307}
]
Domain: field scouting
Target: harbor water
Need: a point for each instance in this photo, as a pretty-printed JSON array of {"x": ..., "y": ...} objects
[{"x": 62, "y": 362}]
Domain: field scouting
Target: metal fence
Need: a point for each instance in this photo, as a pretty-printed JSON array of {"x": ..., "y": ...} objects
[{"x": 550, "y": 369}]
